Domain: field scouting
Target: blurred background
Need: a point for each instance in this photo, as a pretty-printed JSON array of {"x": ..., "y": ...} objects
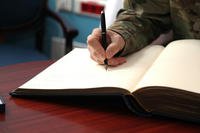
[{"x": 82, "y": 15}]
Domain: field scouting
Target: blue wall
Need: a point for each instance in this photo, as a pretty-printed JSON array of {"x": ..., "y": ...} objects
[{"x": 83, "y": 23}]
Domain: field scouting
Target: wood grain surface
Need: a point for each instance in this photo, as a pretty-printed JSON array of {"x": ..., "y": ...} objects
[{"x": 72, "y": 114}]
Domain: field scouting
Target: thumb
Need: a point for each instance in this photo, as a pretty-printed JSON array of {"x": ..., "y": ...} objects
[
  {"x": 113, "y": 49},
  {"x": 116, "y": 45}
]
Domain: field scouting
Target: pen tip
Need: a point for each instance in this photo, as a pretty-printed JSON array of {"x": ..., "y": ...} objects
[{"x": 106, "y": 67}]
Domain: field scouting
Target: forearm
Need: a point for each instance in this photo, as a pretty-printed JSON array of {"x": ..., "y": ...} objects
[{"x": 141, "y": 23}]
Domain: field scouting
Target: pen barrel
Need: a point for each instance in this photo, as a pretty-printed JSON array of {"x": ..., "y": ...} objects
[
  {"x": 103, "y": 31},
  {"x": 103, "y": 40},
  {"x": 103, "y": 34}
]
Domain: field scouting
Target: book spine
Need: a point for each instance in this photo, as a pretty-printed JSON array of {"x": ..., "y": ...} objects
[{"x": 133, "y": 105}]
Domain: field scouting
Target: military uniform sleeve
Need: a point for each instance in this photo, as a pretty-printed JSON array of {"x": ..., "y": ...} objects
[{"x": 140, "y": 22}]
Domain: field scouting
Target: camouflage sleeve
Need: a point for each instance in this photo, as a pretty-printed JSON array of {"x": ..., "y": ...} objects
[{"x": 140, "y": 22}]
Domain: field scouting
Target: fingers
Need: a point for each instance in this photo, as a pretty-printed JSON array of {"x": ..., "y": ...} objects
[
  {"x": 97, "y": 52},
  {"x": 116, "y": 61}
]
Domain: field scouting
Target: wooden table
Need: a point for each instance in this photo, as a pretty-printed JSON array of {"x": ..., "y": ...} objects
[{"x": 46, "y": 115}]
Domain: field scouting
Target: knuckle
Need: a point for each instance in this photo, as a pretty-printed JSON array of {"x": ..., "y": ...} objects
[
  {"x": 96, "y": 30},
  {"x": 90, "y": 40}
]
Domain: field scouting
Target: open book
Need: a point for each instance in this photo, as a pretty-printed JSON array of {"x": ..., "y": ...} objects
[{"x": 155, "y": 80}]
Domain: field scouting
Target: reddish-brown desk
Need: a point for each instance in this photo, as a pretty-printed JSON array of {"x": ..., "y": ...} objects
[{"x": 46, "y": 116}]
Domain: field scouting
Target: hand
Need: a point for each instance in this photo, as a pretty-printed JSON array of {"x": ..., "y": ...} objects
[{"x": 97, "y": 52}]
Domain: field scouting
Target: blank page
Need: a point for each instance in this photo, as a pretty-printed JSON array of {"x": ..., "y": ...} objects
[
  {"x": 178, "y": 66},
  {"x": 77, "y": 71}
]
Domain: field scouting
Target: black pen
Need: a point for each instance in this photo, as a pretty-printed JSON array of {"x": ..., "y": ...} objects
[{"x": 103, "y": 35}]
